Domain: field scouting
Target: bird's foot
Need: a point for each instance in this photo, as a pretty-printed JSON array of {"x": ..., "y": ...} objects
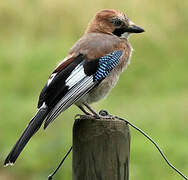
[{"x": 104, "y": 114}]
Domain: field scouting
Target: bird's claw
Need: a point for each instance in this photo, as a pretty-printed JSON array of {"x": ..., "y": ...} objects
[{"x": 105, "y": 115}]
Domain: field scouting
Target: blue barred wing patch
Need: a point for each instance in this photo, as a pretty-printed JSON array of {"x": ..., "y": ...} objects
[{"x": 106, "y": 64}]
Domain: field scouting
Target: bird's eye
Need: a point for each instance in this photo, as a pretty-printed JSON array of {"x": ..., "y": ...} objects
[{"x": 117, "y": 22}]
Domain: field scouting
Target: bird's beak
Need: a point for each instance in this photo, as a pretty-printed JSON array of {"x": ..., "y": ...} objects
[
  {"x": 134, "y": 29},
  {"x": 125, "y": 30}
]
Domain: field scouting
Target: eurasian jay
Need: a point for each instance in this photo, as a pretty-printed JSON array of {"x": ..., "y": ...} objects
[{"x": 88, "y": 73}]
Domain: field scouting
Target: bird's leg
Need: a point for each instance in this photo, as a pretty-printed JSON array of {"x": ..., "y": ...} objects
[
  {"x": 92, "y": 110},
  {"x": 83, "y": 110}
]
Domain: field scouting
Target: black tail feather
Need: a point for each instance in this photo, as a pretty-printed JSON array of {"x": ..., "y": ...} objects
[{"x": 30, "y": 130}]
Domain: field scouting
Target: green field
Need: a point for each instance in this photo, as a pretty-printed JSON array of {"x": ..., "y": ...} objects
[{"x": 152, "y": 93}]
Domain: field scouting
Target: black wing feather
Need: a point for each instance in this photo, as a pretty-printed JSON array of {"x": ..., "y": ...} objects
[
  {"x": 69, "y": 83},
  {"x": 53, "y": 92}
]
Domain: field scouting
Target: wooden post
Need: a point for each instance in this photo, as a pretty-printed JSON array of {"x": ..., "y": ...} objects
[{"x": 101, "y": 149}]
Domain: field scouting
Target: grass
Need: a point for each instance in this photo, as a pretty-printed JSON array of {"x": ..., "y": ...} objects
[{"x": 152, "y": 93}]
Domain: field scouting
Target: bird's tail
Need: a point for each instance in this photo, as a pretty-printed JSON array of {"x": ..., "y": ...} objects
[{"x": 29, "y": 131}]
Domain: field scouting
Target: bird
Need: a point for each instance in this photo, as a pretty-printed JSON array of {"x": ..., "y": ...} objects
[{"x": 86, "y": 75}]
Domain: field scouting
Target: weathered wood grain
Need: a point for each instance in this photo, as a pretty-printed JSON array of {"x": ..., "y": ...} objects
[{"x": 101, "y": 149}]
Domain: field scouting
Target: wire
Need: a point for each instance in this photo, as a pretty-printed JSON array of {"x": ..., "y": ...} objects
[
  {"x": 156, "y": 145},
  {"x": 50, "y": 177}
]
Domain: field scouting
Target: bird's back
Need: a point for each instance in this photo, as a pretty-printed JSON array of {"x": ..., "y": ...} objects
[{"x": 96, "y": 45}]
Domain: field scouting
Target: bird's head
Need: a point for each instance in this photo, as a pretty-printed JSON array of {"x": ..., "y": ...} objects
[{"x": 113, "y": 22}]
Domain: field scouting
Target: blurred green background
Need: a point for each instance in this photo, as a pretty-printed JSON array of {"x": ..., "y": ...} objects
[{"x": 153, "y": 93}]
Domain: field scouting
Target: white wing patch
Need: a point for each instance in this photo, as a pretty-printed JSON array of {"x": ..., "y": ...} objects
[
  {"x": 78, "y": 84},
  {"x": 76, "y": 75},
  {"x": 51, "y": 78}
]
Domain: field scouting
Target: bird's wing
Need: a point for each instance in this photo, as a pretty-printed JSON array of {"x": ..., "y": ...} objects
[{"x": 70, "y": 83}]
